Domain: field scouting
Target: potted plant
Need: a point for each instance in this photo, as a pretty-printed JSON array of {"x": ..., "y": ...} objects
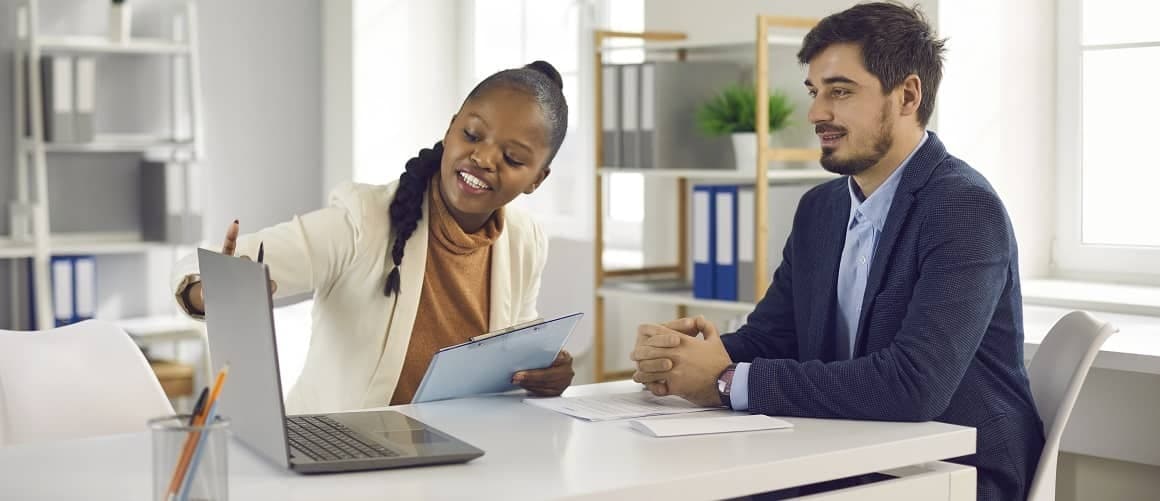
[{"x": 734, "y": 112}]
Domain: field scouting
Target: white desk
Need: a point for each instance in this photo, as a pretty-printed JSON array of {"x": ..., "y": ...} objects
[{"x": 533, "y": 453}]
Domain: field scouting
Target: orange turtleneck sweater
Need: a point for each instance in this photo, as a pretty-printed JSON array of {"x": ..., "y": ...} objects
[{"x": 455, "y": 303}]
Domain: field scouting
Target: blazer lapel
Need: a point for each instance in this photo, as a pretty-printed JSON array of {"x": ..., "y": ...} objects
[
  {"x": 831, "y": 228},
  {"x": 917, "y": 172},
  {"x": 501, "y": 284},
  {"x": 894, "y": 220},
  {"x": 402, "y": 317}
]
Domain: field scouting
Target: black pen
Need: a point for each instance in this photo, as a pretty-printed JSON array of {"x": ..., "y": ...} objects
[
  {"x": 261, "y": 251},
  {"x": 197, "y": 407}
]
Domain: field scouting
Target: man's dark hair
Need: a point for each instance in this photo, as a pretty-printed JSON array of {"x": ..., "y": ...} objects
[{"x": 896, "y": 41}]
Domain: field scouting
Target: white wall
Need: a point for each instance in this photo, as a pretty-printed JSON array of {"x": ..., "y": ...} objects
[
  {"x": 735, "y": 19},
  {"x": 398, "y": 50},
  {"x": 262, "y": 77},
  {"x": 997, "y": 110}
]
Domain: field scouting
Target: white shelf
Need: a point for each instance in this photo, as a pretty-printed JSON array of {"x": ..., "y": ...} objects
[
  {"x": 1093, "y": 296},
  {"x": 784, "y": 38},
  {"x": 676, "y": 298},
  {"x": 110, "y": 143},
  {"x": 12, "y": 249},
  {"x": 776, "y": 176},
  {"x": 101, "y": 244},
  {"x": 101, "y": 45},
  {"x": 82, "y": 244}
]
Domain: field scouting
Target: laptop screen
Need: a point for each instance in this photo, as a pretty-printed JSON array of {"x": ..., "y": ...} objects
[{"x": 240, "y": 325}]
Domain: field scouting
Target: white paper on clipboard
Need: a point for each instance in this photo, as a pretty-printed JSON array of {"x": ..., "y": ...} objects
[{"x": 486, "y": 365}]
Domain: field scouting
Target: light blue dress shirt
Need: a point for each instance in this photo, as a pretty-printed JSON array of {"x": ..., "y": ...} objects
[{"x": 867, "y": 218}]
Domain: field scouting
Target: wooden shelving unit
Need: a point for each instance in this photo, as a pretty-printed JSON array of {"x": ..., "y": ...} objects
[{"x": 789, "y": 31}]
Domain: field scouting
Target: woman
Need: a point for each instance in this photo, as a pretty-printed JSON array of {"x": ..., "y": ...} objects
[{"x": 399, "y": 271}]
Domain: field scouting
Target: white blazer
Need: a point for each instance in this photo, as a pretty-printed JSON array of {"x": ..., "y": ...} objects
[{"x": 359, "y": 336}]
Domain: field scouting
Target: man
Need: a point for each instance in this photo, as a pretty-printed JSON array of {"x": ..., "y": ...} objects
[{"x": 898, "y": 293}]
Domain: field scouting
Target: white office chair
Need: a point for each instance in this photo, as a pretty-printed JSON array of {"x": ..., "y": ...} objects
[
  {"x": 1057, "y": 372},
  {"x": 81, "y": 380}
]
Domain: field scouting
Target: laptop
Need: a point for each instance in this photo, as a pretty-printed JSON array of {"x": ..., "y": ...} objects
[{"x": 240, "y": 326}]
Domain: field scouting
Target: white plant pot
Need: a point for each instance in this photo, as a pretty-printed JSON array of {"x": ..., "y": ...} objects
[
  {"x": 120, "y": 22},
  {"x": 745, "y": 151}
]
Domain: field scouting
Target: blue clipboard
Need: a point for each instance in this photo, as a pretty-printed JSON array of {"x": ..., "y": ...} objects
[{"x": 486, "y": 363}]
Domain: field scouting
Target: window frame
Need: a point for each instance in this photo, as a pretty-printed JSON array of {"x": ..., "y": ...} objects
[{"x": 1071, "y": 258}]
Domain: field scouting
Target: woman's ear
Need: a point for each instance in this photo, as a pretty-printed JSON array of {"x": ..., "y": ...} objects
[{"x": 539, "y": 180}]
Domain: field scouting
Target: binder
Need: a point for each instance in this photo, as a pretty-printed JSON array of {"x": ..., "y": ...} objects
[
  {"x": 26, "y": 90},
  {"x": 746, "y": 241},
  {"x": 169, "y": 211},
  {"x": 630, "y": 115},
  {"x": 84, "y": 88},
  {"x": 63, "y": 296},
  {"x": 85, "y": 282},
  {"x": 648, "y": 82},
  {"x": 610, "y": 123},
  {"x": 725, "y": 239},
  {"x": 704, "y": 252},
  {"x": 56, "y": 82},
  {"x": 670, "y": 93}
]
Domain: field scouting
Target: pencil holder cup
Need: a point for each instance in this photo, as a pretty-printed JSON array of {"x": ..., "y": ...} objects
[{"x": 190, "y": 463}]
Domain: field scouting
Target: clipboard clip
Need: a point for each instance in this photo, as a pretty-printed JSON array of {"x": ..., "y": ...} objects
[{"x": 506, "y": 330}]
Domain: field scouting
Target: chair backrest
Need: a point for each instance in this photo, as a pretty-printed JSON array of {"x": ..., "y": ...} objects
[
  {"x": 1057, "y": 372},
  {"x": 81, "y": 380}
]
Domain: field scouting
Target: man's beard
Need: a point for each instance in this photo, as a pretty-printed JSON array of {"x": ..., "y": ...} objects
[{"x": 883, "y": 141}]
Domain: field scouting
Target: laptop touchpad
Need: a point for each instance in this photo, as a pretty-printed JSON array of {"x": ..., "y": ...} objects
[{"x": 411, "y": 437}]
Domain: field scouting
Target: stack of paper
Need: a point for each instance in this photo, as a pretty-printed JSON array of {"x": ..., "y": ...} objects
[
  {"x": 707, "y": 425},
  {"x": 617, "y": 406}
]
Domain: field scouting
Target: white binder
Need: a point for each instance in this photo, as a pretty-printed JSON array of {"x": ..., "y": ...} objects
[
  {"x": 85, "y": 97},
  {"x": 62, "y": 290},
  {"x": 610, "y": 120},
  {"x": 630, "y": 116},
  {"x": 85, "y": 270}
]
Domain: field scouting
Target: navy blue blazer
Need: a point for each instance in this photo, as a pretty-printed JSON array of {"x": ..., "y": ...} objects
[{"x": 941, "y": 330}]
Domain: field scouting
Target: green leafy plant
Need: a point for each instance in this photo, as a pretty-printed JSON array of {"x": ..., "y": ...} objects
[{"x": 735, "y": 110}]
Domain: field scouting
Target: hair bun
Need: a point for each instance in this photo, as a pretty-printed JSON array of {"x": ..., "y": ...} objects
[{"x": 545, "y": 68}]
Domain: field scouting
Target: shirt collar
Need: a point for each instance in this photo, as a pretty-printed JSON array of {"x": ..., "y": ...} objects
[{"x": 876, "y": 207}]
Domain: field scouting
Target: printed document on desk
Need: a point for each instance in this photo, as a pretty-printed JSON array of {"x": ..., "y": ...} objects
[{"x": 617, "y": 406}]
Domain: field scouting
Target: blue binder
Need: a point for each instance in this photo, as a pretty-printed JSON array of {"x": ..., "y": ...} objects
[
  {"x": 72, "y": 281},
  {"x": 704, "y": 250},
  {"x": 725, "y": 241}
]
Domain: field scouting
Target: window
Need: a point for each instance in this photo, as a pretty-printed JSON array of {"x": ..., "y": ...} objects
[
  {"x": 512, "y": 33},
  {"x": 1106, "y": 227},
  {"x": 624, "y": 193}
]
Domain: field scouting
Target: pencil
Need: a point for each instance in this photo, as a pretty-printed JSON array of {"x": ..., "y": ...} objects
[
  {"x": 197, "y": 408},
  {"x": 199, "y": 448},
  {"x": 191, "y": 440}
]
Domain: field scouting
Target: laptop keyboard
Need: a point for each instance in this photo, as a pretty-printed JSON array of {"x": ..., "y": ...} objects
[{"x": 324, "y": 439}]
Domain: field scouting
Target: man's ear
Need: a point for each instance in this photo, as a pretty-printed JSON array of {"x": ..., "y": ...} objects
[
  {"x": 911, "y": 95},
  {"x": 539, "y": 180}
]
